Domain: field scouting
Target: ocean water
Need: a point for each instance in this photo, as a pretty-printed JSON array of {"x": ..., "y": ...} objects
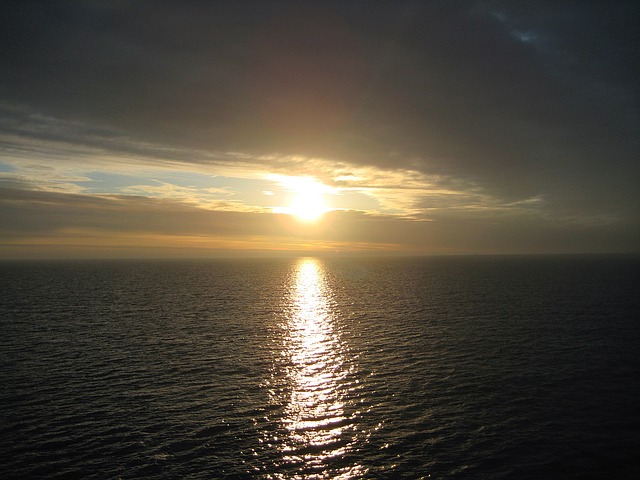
[{"x": 443, "y": 367}]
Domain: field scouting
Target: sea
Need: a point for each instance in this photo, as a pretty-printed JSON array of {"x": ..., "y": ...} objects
[{"x": 453, "y": 367}]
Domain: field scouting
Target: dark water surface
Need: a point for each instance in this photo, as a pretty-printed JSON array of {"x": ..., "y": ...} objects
[{"x": 457, "y": 367}]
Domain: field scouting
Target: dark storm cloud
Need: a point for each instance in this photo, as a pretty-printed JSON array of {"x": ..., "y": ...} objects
[{"x": 522, "y": 98}]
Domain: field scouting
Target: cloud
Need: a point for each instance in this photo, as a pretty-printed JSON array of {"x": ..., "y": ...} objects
[
  {"x": 512, "y": 113},
  {"x": 65, "y": 224}
]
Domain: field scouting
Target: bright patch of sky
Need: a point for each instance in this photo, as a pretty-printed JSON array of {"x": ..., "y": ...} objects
[
  {"x": 109, "y": 183},
  {"x": 252, "y": 185},
  {"x": 248, "y": 190},
  {"x": 263, "y": 193}
]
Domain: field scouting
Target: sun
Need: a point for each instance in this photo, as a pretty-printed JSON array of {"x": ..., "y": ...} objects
[
  {"x": 306, "y": 198},
  {"x": 307, "y": 206}
]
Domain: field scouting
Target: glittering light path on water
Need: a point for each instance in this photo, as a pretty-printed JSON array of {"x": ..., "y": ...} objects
[{"x": 318, "y": 431}]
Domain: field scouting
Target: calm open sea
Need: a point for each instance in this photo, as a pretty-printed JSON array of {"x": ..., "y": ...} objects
[{"x": 444, "y": 367}]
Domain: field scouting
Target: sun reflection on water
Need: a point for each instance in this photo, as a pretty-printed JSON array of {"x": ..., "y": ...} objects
[{"x": 319, "y": 430}]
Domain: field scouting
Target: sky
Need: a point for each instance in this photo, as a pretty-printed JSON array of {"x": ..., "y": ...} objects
[{"x": 195, "y": 128}]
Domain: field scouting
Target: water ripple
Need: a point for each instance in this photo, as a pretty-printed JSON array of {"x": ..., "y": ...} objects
[{"x": 320, "y": 369}]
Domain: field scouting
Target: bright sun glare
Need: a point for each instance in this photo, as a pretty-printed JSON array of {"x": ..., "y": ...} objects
[
  {"x": 308, "y": 206},
  {"x": 307, "y": 201}
]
